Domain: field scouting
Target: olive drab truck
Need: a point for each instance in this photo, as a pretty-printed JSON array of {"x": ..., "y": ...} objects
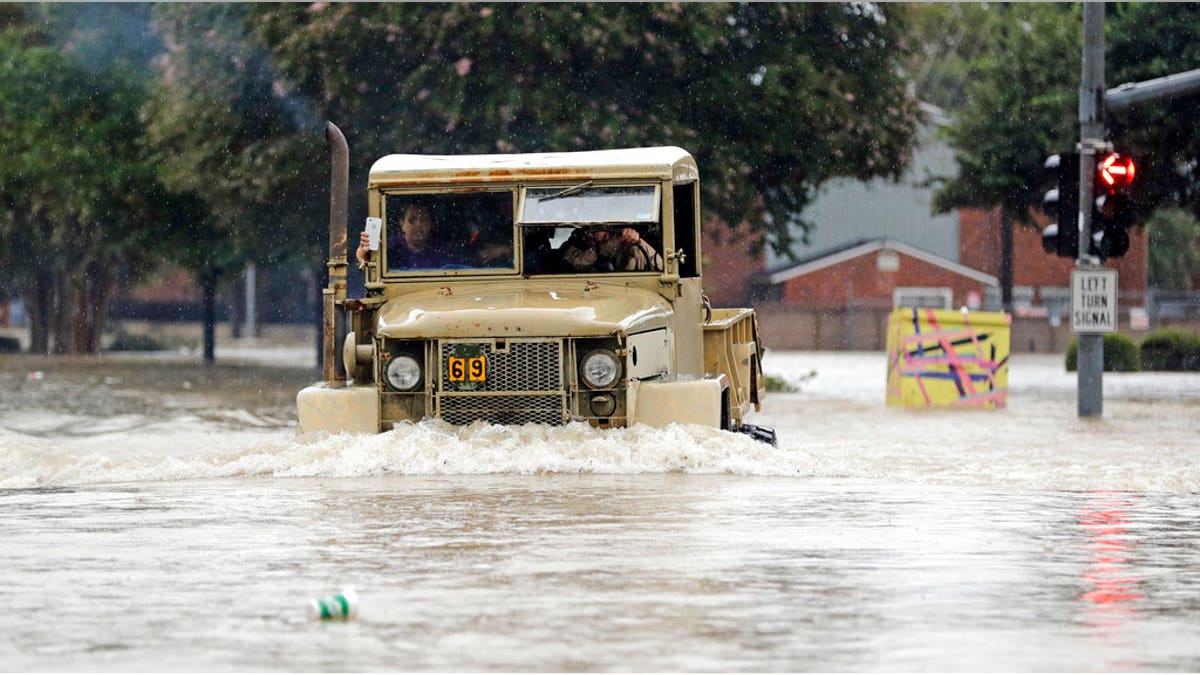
[{"x": 529, "y": 288}]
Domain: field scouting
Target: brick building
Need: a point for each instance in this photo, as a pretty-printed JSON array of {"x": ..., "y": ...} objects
[
  {"x": 880, "y": 273},
  {"x": 1041, "y": 281},
  {"x": 877, "y": 243}
]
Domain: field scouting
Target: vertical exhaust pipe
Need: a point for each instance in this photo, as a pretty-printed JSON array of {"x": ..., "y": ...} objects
[{"x": 333, "y": 320}]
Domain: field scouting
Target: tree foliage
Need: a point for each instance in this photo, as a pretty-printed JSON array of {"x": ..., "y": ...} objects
[
  {"x": 1016, "y": 106},
  {"x": 1174, "y": 258},
  {"x": 78, "y": 196},
  {"x": 1019, "y": 107},
  {"x": 222, "y": 131},
  {"x": 946, "y": 38},
  {"x": 1145, "y": 41},
  {"x": 229, "y": 143},
  {"x": 772, "y": 99}
]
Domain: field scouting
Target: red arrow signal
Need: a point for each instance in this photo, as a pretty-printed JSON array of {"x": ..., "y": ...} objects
[{"x": 1114, "y": 171}]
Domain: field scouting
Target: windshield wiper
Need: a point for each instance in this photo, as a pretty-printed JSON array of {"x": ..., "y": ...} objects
[{"x": 565, "y": 193}]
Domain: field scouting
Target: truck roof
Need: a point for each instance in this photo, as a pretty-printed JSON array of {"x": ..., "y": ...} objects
[{"x": 657, "y": 163}]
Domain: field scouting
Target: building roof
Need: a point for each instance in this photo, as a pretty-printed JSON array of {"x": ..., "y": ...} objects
[
  {"x": 656, "y": 163},
  {"x": 849, "y": 209},
  {"x": 854, "y": 249}
]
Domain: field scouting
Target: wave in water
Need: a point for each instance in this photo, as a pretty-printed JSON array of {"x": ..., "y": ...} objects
[
  {"x": 427, "y": 448},
  {"x": 830, "y": 440}
]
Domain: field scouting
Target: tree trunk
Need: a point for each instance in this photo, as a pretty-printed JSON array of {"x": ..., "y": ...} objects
[
  {"x": 101, "y": 295},
  {"x": 92, "y": 308},
  {"x": 208, "y": 282},
  {"x": 237, "y": 309},
  {"x": 1006, "y": 260},
  {"x": 61, "y": 316},
  {"x": 39, "y": 312},
  {"x": 79, "y": 314},
  {"x": 84, "y": 320}
]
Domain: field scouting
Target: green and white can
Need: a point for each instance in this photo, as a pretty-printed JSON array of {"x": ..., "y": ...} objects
[{"x": 340, "y": 607}]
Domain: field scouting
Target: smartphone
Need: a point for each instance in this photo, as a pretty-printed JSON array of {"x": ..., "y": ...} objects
[{"x": 374, "y": 225}]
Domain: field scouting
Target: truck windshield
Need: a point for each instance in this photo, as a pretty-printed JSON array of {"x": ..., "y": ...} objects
[
  {"x": 591, "y": 249},
  {"x": 586, "y": 204},
  {"x": 455, "y": 231}
]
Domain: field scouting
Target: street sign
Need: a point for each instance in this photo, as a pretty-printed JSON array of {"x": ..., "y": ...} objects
[
  {"x": 1139, "y": 318},
  {"x": 1094, "y": 301}
]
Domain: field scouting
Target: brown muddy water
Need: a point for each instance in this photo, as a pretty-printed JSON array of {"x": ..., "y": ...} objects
[{"x": 157, "y": 515}]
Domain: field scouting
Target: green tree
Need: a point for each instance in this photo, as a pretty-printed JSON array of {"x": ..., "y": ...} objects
[
  {"x": 946, "y": 37},
  {"x": 25, "y": 206},
  {"x": 1174, "y": 258},
  {"x": 1019, "y": 107},
  {"x": 1022, "y": 102},
  {"x": 232, "y": 143},
  {"x": 773, "y": 99},
  {"x": 1145, "y": 41},
  {"x": 79, "y": 198}
]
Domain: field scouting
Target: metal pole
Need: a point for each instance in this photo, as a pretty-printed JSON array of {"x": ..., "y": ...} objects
[
  {"x": 250, "y": 326},
  {"x": 1090, "y": 371},
  {"x": 335, "y": 294},
  {"x": 1006, "y": 260},
  {"x": 1160, "y": 88}
]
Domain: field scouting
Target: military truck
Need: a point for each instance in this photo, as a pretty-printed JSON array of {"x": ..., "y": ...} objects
[{"x": 483, "y": 300}]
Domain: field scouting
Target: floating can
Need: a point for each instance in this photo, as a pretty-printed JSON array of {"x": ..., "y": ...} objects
[{"x": 340, "y": 607}]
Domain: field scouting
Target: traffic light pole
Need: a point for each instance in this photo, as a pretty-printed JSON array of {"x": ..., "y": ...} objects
[
  {"x": 1158, "y": 89},
  {"x": 1090, "y": 371}
]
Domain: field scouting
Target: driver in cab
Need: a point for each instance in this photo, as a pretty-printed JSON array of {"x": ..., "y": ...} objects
[{"x": 414, "y": 244}]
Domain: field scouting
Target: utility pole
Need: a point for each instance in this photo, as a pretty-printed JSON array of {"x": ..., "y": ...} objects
[
  {"x": 251, "y": 319},
  {"x": 1090, "y": 371},
  {"x": 1094, "y": 289}
]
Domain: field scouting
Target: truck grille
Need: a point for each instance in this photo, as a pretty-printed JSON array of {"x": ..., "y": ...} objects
[
  {"x": 462, "y": 409},
  {"x": 524, "y": 383}
]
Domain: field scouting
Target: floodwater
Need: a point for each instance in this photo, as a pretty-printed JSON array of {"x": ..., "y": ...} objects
[{"x": 155, "y": 515}]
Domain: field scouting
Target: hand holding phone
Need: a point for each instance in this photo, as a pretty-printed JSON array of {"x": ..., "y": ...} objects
[{"x": 374, "y": 225}]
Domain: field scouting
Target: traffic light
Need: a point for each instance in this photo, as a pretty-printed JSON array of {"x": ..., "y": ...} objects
[
  {"x": 1112, "y": 209},
  {"x": 1062, "y": 237}
]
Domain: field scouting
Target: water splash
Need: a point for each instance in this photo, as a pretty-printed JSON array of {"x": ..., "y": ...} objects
[{"x": 427, "y": 448}]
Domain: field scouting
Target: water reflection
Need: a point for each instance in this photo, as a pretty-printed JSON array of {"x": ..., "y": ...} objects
[
  {"x": 1112, "y": 586},
  {"x": 872, "y": 539}
]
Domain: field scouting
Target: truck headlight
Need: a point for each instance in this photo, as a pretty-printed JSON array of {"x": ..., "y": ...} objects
[
  {"x": 403, "y": 372},
  {"x": 600, "y": 369}
]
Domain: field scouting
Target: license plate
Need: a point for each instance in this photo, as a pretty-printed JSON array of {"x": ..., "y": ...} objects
[{"x": 471, "y": 369}]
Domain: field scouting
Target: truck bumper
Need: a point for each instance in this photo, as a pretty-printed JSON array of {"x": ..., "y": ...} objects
[{"x": 338, "y": 409}]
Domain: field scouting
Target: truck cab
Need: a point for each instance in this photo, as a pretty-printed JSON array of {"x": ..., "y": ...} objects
[{"x": 535, "y": 288}]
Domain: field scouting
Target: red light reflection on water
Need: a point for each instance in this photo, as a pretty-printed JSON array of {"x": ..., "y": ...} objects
[{"x": 1112, "y": 587}]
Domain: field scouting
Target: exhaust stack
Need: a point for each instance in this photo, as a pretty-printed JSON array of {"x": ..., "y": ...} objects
[{"x": 333, "y": 320}]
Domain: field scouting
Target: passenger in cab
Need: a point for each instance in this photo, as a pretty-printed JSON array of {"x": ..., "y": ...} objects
[{"x": 609, "y": 249}]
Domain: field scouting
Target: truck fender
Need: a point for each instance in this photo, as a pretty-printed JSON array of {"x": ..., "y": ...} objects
[{"x": 659, "y": 403}]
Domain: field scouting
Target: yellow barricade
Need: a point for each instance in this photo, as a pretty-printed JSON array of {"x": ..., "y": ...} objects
[{"x": 942, "y": 357}]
